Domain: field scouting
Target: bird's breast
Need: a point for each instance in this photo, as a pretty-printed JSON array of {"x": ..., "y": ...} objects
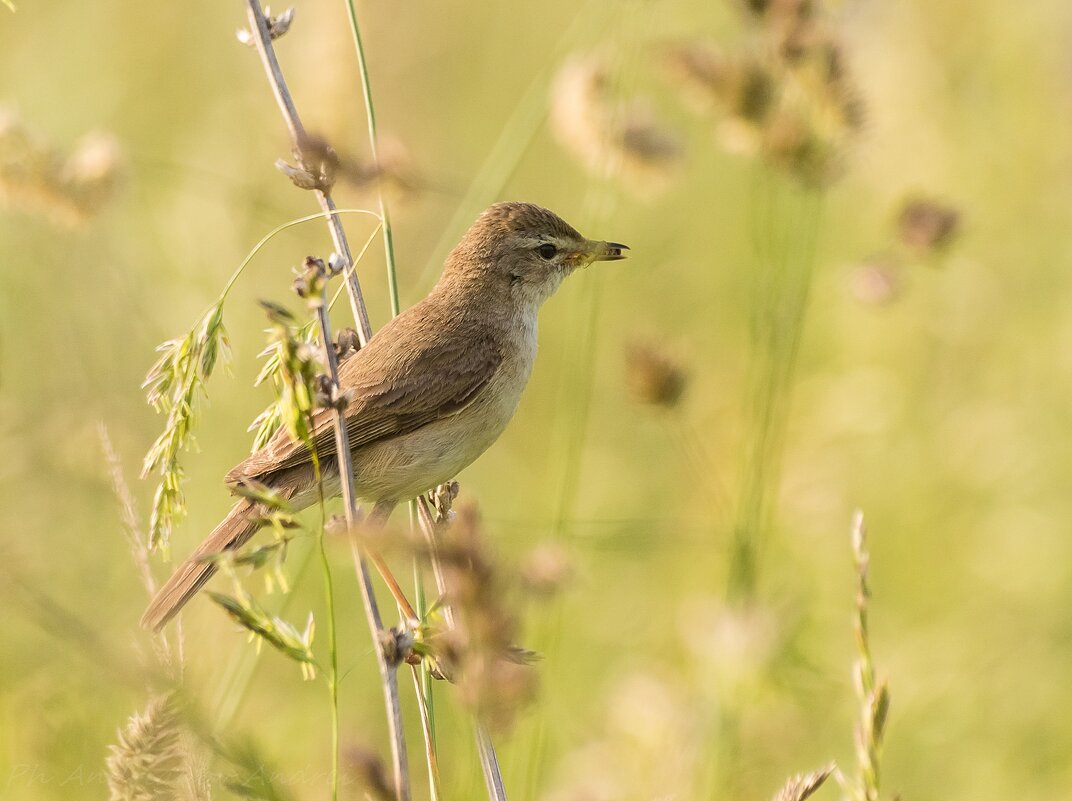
[{"x": 416, "y": 462}]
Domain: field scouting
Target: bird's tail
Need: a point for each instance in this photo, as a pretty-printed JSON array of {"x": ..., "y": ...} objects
[{"x": 234, "y": 531}]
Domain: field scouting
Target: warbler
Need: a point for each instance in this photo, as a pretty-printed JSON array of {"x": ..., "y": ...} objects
[{"x": 428, "y": 394}]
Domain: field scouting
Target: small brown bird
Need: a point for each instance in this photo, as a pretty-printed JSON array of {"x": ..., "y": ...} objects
[{"x": 429, "y": 393}]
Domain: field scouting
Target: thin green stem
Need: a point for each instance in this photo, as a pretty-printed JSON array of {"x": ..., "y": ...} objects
[
  {"x": 277, "y": 230},
  {"x": 786, "y": 223},
  {"x": 370, "y": 109},
  {"x": 424, "y": 686},
  {"x": 333, "y": 646}
]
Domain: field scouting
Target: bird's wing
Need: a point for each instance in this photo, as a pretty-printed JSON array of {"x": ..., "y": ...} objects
[{"x": 397, "y": 385}]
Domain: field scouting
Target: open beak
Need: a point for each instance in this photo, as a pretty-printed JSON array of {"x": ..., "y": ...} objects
[{"x": 605, "y": 251}]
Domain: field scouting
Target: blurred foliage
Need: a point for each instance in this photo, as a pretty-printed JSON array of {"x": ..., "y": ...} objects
[{"x": 941, "y": 410}]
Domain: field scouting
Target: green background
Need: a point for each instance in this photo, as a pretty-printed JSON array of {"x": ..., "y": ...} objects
[{"x": 943, "y": 414}]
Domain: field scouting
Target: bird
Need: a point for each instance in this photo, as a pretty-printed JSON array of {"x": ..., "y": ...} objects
[{"x": 427, "y": 395}]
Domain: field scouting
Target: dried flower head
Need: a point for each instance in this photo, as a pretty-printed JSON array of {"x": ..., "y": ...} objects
[
  {"x": 490, "y": 672},
  {"x": 316, "y": 164},
  {"x": 606, "y": 135},
  {"x": 442, "y": 499},
  {"x": 69, "y": 189},
  {"x": 652, "y": 376},
  {"x": 927, "y": 226},
  {"x": 277, "y": 26},
  {"x": 787, "y": 98},
  {"x": 703, "y": 73},
  {"x": 146, "y": 763}
]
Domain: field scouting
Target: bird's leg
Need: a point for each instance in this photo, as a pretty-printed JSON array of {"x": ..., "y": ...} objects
[{"x": 377, "y": 519}]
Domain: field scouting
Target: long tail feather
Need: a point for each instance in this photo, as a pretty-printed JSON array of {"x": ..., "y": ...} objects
[{"x": 233, "y": 532}]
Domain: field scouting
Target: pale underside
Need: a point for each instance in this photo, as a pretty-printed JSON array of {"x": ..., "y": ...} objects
[{"x": 416, "y": 418}]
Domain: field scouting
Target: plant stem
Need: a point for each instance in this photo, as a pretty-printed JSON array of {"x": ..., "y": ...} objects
[
  {"x": 388, "y": 671},
  {"x": 370, "y": 113},
  {"x": 430, "y": 755},
  {"x": 489, "y": 761},
  {"x": 422, "y": 686},
  {"x": 873, "y": 693},
  {"x": 263, "y": 40},
  {"x": 333, "y": 643},
  {"x": 279, "y": 229},
  {"x": 786, "y": 228}
]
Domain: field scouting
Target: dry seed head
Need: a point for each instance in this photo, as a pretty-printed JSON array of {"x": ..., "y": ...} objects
[
  {"x": 394, "y": 169},
  {"x": 606, "y": 137},
  {"x": 766, "y": 9},
  {"x": 927, "y": 226},
  {"x": 702, "y": 72},
  {"x": 788, "y": 98},
  {"x": 367, "y": 770},
  {"x": 479, "y": 653},
  {"x": 803, "y": 785},
  {"x": 442, "y": 498},
  {"x": 652, "y": 376},
  {"x": 277, "y": 26},
  {"x": 146, "y": 762},
  {"x": 397, "y": 645},
  {"x": 316, "y": 164},
  {"x": 69, "y": 189}
]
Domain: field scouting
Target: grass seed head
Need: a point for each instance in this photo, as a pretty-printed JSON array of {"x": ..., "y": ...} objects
[
  {"x": 804, "y": 785},
  {"x": 653, "y": 377},
  {"x": 146, "y": 762},
  {"x": 927, "y": 226}
]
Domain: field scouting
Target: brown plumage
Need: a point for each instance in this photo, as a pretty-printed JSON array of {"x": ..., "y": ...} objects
[{"x": 429, "y": 393}]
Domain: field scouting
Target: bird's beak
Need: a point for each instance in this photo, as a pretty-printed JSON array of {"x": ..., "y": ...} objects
[{"x": 604, "y": 251}]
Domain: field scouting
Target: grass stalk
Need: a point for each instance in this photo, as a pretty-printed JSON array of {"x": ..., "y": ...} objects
[
  {"x": 785, "y": 231},
  {"x": 333, "y": 643},
  {"x": 489, "y": 760},
  {"x": 388, "y": 671},
  {"x": 422, "y": 685},
  {"x": 370, "y": 113},
  {"x": 424, "y": 707},
  {"x": 873, "y": 693},
  {"x": 422, "y": 676}
]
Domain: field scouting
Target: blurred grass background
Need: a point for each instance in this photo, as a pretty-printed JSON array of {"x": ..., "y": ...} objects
[{"x": 943, "y": 413}]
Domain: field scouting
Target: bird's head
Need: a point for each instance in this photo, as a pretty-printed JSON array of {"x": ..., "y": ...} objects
[{"x": 526, "y": 250}]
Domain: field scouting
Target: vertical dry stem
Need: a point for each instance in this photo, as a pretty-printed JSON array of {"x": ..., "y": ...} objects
[
  {"x": 388, "y": 671},
  {"x": 489, "y": 762},
  {"x": 263, "y": 41}
]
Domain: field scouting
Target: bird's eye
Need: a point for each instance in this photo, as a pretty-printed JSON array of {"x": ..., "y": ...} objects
[{"x": 547, "y": 251}]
